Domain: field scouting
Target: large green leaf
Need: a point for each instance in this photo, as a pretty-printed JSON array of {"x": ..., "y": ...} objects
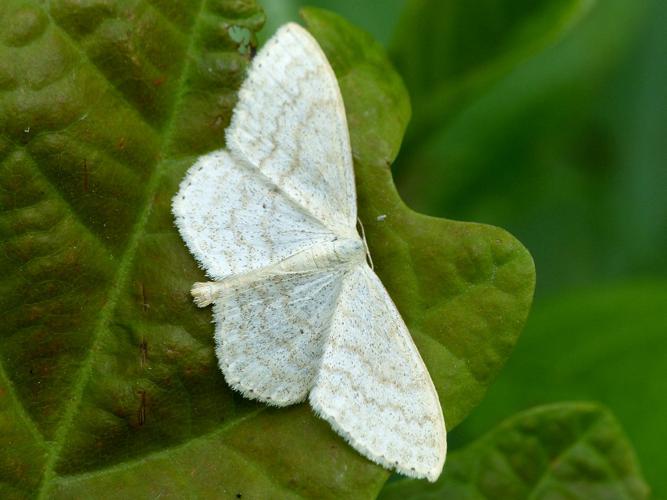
[
  {"x": 574, "y": 451},
  {"x": 108, "y": 379},
  {"x": 607, "y": 344}
]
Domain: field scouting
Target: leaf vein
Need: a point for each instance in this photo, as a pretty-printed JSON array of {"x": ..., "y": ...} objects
[
  {"x": 91, "y": 64},
  {"x": 549, "y": 469},
  {"x": 23, "y": 415},
  {"x": 55, "y": 193}
]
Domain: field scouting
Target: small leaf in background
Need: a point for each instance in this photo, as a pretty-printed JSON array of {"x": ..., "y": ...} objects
[
  {"x": 557, "y": 151},
  {"x": 482, "y": 145},
  {"x": 463, "y": 289},
  {"x": 606, "y": 344},
  {"x": 574, "y": 451},
  {"x": 450, "y": 52}
]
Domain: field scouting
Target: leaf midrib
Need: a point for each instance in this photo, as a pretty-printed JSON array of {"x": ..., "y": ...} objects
[{"x": 124, "y": 267}]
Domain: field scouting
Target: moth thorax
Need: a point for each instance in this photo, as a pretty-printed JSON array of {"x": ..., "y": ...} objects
[
  {"x": 348, "y": 250},
  {"x": 337, "y": 252}
]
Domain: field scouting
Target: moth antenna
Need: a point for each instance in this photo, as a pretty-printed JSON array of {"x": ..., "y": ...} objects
[{"x": 363, "y": 237}]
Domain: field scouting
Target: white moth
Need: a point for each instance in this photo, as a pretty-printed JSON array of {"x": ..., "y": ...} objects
[{"x": 298, "y": 312}]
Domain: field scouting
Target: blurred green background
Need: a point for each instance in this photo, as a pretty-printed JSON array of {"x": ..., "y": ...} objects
[{"x": 548, "y": 118}]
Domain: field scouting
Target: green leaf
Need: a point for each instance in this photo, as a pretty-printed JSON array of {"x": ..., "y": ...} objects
[
  {"x": 108, "y": 380},
  {"x": 449, "y": 52},
  {"x": 574, "y": 451},
  {"x": 498, "y": 128},
  {"x": 463, "y": 289},
  {"x": 606, "y": 344}
]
